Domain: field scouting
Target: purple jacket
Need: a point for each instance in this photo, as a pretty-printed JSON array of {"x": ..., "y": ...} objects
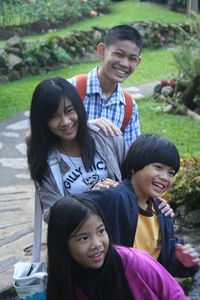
[{"x": 147, "y": 279}]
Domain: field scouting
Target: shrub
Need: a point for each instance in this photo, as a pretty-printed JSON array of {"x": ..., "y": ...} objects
[
  {"x": 186, "y": 187},
  {"x": 186, "y": 92},
  {"x": 29, "y": 11}
]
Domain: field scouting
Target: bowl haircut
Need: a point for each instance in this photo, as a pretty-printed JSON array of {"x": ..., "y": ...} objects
[{"x": 148, "y": 149}]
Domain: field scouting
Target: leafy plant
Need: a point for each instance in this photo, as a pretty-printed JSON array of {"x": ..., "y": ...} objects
[
  {"x": 186, "y": 186},
  {"x": 30, "y": 11}
]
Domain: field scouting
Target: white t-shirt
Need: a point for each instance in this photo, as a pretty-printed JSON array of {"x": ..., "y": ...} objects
[{"x": 77, "y": 180}]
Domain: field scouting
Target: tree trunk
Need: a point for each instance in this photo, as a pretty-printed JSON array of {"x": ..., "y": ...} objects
[{"x": 192, "y": 5}]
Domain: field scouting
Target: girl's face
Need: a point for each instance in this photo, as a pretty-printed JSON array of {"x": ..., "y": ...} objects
[
  {"x": 64, "y": 123},
  {"x": 153, "y": 180},
  {"x": 89, "y": 245}
]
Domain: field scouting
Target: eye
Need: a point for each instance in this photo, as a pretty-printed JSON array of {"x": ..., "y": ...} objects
[
  {"x": 53, "y": 116},
  {"x": 172, "y": 173},
  {"x": 69, "y": 110},
  {"x": 158, "y": 166},
  {"x": 82, "y": 238},
  {"x": 118, "y": 54},
  {"x": 101, "y": 231},
  {"x": 134, "y": 59}
]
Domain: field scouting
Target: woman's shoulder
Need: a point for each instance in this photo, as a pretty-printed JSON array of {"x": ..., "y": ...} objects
[{"x": 98, "y": 132}]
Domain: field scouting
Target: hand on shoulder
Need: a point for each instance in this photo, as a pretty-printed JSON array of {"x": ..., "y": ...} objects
[
  {"x": 105, "y": 184},
  {"x": 108, "y": 127}
]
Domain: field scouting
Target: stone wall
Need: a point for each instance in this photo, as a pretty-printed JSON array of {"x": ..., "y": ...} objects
[{"x": 19, "y": 58}]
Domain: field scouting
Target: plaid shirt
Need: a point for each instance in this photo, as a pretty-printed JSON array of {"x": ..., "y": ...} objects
[{"x": 98, "y": 106}]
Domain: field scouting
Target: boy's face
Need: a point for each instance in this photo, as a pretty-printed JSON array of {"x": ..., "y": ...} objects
[
  {"x": 153, "y": 180},
  {"x": 118, "y": 60}
]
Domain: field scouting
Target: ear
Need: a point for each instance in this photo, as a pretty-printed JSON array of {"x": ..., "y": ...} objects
[
  {"x": 139, "y": 60},
  {"x": 101, "y": 50}
]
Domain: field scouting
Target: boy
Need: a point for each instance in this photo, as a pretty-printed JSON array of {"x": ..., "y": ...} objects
[
  {"x": 104, "y": 100},
  {"x": 132, "y": 211}
]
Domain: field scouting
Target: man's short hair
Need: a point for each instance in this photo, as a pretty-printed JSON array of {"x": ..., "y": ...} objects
[{"x": 123, "y": 33}]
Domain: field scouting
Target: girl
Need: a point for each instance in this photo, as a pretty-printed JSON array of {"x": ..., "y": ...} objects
[
  {"x": 60, "y": 135},
  {"x": 83, "y": 264},
  {"x": 62, "y": 145}
]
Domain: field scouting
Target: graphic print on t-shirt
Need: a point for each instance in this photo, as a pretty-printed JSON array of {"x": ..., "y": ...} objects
[{"x": 77, "y": 180}]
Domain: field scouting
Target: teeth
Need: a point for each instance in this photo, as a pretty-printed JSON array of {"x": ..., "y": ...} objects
[
  {"x": 120, "y": 71},
  {"x": 96, "y": 255},
  {"x": 159, "y": 185}
]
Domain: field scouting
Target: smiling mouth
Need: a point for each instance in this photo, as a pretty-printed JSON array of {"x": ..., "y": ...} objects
[
  {"x": 121, "y": 72},
  {"x": 98, "y": 254},
  {"x": 159, "y": 186},
  {"x": 67, "y": 130}
]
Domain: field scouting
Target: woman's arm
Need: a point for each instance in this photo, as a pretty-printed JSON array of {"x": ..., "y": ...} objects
[{"x": 48, "y": 194}]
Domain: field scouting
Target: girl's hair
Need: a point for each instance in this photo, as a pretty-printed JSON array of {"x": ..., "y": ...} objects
[
  {"x": 45, "y": 101},
  {"x": 66, "y": 216},
  {"x": 148, "y": 149}
]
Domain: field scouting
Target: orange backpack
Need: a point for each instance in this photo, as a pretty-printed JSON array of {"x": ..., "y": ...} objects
[{"x": 81, "y": 81}]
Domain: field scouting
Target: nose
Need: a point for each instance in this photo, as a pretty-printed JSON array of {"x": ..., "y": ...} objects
[
  {"x": 124, "y": 62},
  {"x": 96, "y": 243},
  {"x": 164, "y": 175},
  {"x": 65, "y": 120}
]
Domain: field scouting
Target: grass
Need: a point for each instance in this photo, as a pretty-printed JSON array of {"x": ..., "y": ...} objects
[
  {"x": 181, "y": 130},
  {"x": 120, "y": 12},
  {"x": 16, "y": 96}
]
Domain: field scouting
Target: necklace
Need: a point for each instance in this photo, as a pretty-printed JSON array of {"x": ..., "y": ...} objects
[{"x": 88, "y": 178}]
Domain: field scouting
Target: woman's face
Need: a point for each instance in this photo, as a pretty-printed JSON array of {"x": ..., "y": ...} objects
[
  {"x": 89, "y": 245},
  {"x": 64, "y": 123}
]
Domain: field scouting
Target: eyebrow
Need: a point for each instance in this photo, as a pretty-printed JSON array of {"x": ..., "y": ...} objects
[
  {"x": 68, "y": 106},
  {"x": 119, "y": 49},
  {"x": 85, "y": 233}
]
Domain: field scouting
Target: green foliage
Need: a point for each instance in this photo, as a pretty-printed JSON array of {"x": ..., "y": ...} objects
[
  {"x": 187, "y": 56},
  {"x": 187, "y": 284},
  {"x": 120, "y": 14},
  {"x": 186, "y": 93},
  {"x": 186, "y": 186},
  {"x": 61, "y": 55},
  {"x": 29, "y": 11}
]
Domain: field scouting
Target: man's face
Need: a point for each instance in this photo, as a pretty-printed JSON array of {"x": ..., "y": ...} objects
[{"x": 118, "y": 61}]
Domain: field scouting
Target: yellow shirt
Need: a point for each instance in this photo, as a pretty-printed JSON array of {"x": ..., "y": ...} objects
[{"x": 148, "y": 237}]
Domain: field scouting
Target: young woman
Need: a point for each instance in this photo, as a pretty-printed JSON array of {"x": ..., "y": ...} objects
[
  {"x": 83, "y": 264},
  {"x": 60, "y": 135},
  {"x": 63, "y": 146}
]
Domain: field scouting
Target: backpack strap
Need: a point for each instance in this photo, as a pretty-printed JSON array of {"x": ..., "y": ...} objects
[
  {"x": 128, "y": 110},
  {"x": 81, "y": 83}
]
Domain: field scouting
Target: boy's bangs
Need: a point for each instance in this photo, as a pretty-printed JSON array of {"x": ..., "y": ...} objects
[{"x": 165, "y": 155}]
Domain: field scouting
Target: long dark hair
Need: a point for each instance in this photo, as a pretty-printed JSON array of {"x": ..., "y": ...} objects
[
  {"x": 45, "y": 101},
  {"x": 66, "y": 216},
  {"x": 148, "y": 149}
]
